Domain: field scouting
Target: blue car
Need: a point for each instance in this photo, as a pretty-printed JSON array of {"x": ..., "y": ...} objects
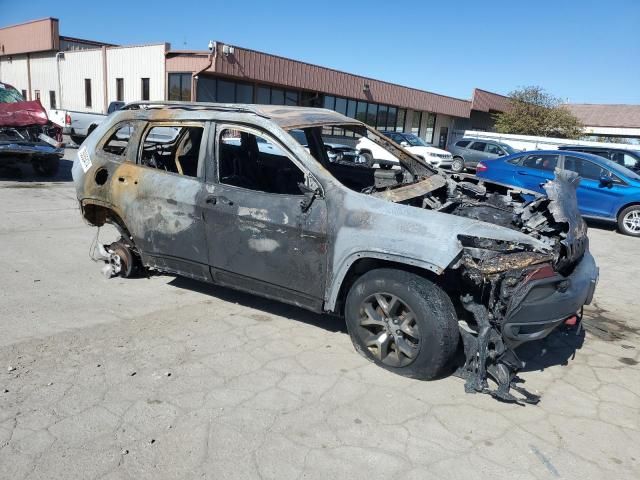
[{"x": 608, "y": 191}]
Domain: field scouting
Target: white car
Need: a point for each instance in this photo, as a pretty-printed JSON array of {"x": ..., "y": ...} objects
[{"x": 410, "y": 142}]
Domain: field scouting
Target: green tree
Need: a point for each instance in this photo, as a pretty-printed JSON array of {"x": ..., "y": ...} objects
[{"x": 533, "y": 111}]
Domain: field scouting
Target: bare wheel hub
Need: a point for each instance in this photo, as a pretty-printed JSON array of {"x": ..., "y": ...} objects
[{"x": 389, "y": 329}]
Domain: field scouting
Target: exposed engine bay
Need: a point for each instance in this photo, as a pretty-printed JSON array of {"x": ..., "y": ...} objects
[{"x": 491, "y": 278}]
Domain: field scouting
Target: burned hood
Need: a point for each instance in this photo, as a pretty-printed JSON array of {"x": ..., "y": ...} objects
[{"x": 22, "y": 114}]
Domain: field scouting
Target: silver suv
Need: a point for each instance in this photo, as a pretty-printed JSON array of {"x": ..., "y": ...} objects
[
  {"x": 467, "y": 153},
  {"x": 415, "y": 261}
]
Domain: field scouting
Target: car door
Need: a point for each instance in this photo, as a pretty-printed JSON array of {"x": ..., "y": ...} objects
[
  {"x": 475, "y": 153},
  {"x": 264, "y": 234},
  {"x": 161, "y": 197},
  {"x": 595, "y": 197},
  {"x": 533, "y": 170}
]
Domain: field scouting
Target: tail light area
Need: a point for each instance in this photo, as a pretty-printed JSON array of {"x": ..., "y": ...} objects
[
  {"x": 481, "y": 167},
  {"x": 67, "y": 119}
]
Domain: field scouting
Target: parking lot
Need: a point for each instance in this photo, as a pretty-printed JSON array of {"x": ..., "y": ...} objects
[{"x": 164, "y": 377}]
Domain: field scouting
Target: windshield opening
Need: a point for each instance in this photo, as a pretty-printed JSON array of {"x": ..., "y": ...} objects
[
  {"x": 8, "y": 94},
  {"x": 360, "y": 157}
]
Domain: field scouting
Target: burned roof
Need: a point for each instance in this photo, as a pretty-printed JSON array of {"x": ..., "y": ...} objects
[{"x": 285, "y": 116}]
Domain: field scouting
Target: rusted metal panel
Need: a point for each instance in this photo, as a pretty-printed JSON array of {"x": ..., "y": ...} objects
[{"x": 35, "y": 36}]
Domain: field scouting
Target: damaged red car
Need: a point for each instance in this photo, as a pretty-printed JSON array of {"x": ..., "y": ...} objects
[
  {"x": 27, "y": 135},
  {"x": 422, "y": 266}
]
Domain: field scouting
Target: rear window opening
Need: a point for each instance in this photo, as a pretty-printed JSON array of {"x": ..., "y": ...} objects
[{"x": 174, "y": 149}]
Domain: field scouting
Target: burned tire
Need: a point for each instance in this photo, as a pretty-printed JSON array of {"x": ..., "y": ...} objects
[
  {"x": 457, "y": 165},
  {"x": 129, "y": 262},
  {"x": 402, "y": 322},
  {"x": 47, "y": 167},
  {"x": 629, "y": 221}
]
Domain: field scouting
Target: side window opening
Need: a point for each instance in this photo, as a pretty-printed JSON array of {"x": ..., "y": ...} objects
[
  {"x": 174, "y": 149},
  {"x": 480, "y": 146},
  {"x": 119, "y": 140},
  {"x": 462, "y": 143},
  {"x": 585, "y": 168},
  {"x": 255, "y": 162},
  {"x": 541, "y": 162}
]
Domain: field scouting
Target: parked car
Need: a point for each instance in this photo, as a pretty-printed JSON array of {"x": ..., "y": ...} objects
[
  {"x": 467, "y": 152},
  {"x": 78, "y": 125},
  {"x": 26, "y": 133},
  {"x": 607, "y": 191},
  {"x": 625, "y": 157},
  {"x": 413, "y": 259},
  {"x": 373, "y": 153}
]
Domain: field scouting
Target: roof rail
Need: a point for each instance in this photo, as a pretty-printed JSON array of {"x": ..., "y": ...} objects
[{"x": 222, "y": 107}]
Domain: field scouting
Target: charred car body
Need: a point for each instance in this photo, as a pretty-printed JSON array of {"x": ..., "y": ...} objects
[
  {"x": 415, "y": 260},
  {"x": 26, "y": 134}
]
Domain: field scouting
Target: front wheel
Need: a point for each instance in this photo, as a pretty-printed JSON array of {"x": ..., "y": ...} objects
[
  {"x": 402, "y": 322},
  {"x": 629, "y": 221},
  {"x": 457, "y": 165}
]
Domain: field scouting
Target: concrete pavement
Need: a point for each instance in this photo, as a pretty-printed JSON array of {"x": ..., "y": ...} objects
[{"x": 168, "y": 378}]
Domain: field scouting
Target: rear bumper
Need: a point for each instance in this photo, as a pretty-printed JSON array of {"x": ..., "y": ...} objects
[{"x": 544, "y": 304}]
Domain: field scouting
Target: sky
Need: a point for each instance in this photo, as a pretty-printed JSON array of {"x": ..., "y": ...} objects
[{"x": 582, "y": 51}]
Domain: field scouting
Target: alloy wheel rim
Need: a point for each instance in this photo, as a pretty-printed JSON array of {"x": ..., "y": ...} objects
[
  {"x": 389, "y": 329},
  {"x": 457, "y": 165},
  {"x": 631, "y": 221}
]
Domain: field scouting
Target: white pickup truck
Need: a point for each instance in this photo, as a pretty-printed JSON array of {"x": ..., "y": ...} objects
[{"x": 78, "y": 125}]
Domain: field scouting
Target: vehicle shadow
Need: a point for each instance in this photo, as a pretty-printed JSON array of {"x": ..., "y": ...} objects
[
  {"x": 23, "y": 172},
  {"x": 331, "y": 323},
  {"x": 558, "y": 348},
  {"x": 601, "y": 225}
]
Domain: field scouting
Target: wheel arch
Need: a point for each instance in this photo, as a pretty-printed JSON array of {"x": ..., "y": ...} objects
[
  {"x": 626, "y": 205},
  {"x": 97, "y": 213},
  {"x": 360, "y": 263}
]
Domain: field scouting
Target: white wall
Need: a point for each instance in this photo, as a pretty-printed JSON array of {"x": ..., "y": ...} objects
[
  {"x": 132, "y": 64},
  {"x": 74, "y": 68},
  {"x": 14, "y": 71},
  {"x": 44, "y": 78},
  {"x": 442, "y": 121}
]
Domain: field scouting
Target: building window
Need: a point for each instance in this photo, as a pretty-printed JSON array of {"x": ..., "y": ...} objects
[
  {"x": 277, "y": 96},
  {"x": 24, "y": 94},
  {"x": 37, "y": 93},
  {"x": 263, "y": 96},
  {"x": 416, "y": 121},
  {"x": 119, "y": 89},
  {"x": 87, "y": 92},
  {"x": 431, "y": 124},
  {"x": 180, "y": 87},
  {"x": 244, "y": 93},
  {"x": 145, "y": 88},
  {"x": 402, "y": 114},
  {"x": 52, "y": 99}
]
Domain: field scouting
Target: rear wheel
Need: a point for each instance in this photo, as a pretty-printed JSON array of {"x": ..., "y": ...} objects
[
  {"x": 457, "y": 165},
  {"x": 629, "y": 221},
  {"x": 402, "y": 322},
  {"x": 126, "y": 259},
  {"x": 368, "y": 158}
]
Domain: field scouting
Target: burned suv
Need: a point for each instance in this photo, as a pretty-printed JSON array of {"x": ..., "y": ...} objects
[{"x": 420, "y": 265}]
